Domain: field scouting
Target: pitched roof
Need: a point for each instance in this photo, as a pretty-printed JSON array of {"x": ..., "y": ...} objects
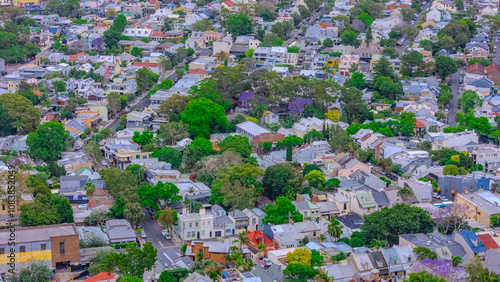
[
  {"x": 488, "y": 241},
  {"x": 492, "y": 67},
  {"x": 419, "y": 124},
  {"x": 256, "y": 236},
  {"x": 475, "y": 66},
  {"x": 148, "y": 65},
  {"x": 103, "y": 276}
]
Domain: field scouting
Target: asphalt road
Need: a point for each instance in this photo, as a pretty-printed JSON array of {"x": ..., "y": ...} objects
[
  {"x": 153, "y": 233},
  {"x": 496, "y": 57},
  {"x": 452, "y": 107},
  {"x": 293, "y": 36}
]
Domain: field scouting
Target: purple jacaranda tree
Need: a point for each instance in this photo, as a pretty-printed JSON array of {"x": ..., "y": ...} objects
[
  {"x": 245, "y": 99},
  {"x": 451, "y": 218},
  {"x": 439, "y": 267},
  {"x": 297, "y": 106}
]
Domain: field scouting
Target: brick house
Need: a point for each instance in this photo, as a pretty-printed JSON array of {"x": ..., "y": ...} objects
[{"x": 215, "y": 251}]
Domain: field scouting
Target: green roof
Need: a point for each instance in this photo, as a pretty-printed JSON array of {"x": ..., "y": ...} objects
[
  {"x": 82, "y": 169},
  {"x": 365, "y": 199}
]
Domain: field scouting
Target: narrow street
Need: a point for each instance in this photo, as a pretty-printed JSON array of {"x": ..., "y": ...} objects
[{"x": 452, "y": 107}]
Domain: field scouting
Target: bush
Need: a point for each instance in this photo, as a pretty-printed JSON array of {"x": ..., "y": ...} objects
[{"x": 83, "y": 135}]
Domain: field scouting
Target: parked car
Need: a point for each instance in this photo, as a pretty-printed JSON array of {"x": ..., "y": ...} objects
[
  {"x": 143, "y": 234},
  {"x": 78, "y": 148},
  {"x": 435, "y": 195},
  {"x": 104, "y": 163},
  {"x": 265, "y": 262},
  {"x": 166, "y": 234},
  {"x": 443, "y": 198}
]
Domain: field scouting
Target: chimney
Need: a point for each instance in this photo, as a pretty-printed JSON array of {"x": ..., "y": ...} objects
[
  {"x": 202, "y": 211},
  {"x": 376, "y": 275},
  {"x": 184, "y": 210}
]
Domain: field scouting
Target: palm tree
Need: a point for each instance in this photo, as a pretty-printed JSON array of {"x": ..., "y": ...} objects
[
  {"x": 242, "y": 240},
  {"x": 322, "y": 238},
  {"x": 221, "y": 56},
  {"x": 323, "y": 277},
  {"x": 262, "y": 248},
  {"x": 456, "y": 260},
  {"x": 191, "y": 192},
  {"x": 334, "y": 229},
  {"x": 89, "y": 189}
]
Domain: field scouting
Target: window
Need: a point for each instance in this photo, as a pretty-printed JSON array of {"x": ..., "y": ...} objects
[
  {"x": 190, "y": 225},
  {"x": 196, "y": 224},
  {"x": 203, "y": 223},
  {"x": 188, "y": 234},
  {"x": 2, "y": 251},
  {"x": 3, "y": 207},
  {"x": 61, "y": 248},
  {"x": 203, "y": 232},
  {"x": 43, "y": 247},
  {"x": 22, "y": 249},
  {"x": 137, "y": 156}
]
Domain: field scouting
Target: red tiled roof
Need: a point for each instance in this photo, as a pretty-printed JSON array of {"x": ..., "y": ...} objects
[
  {"x": 229, "y": 3},
  {"x": 73, "y": 58},
  {"x": 419, "y": 124},
  {"x": 153, "y": 2},
  {"x": 148, "y": 27},
  {"x": 488, "y": 241},
  {"x": 197, "y": 71},
  {"x": 38, "y": 93},
  {"x": 475, "y": 66},
  {"x": 148, "y": 65},
  {"x": 103, "y": 276},
  {"x": 256, "y": 236},
  {"x": 158, "y": 34},
  {"x": 492, "y": 67}
]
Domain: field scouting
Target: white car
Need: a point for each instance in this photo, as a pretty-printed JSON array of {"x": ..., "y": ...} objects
[
  {"x": 143, "y": 234},
  {"x": 104, "y": 163}
]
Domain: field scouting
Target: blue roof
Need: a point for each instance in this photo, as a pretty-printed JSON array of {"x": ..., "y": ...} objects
[
  {"x": 472, "y": 240},
  {"x": 226, "y": 274}
]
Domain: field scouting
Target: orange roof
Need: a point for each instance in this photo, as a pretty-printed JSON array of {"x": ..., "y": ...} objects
[
  {"x": 197, "y": 71},
  {"x": 488, "y": 241},
  {"x": 158, "y": 34},
  {"x": 73, "y": 58},
  {"x": 148, "y": 65},
  {"x": 419, "y": 124},
  {"x": 148, "y": 27},
  {"x": 100, "y": 277},
  {"x": 226, "y": 53},
  {"x": 229, "y": 3},
  {"x": 256, "y": 236},
  {"x": 153, "y": 2},
  {"x": 38, "y": 93}
]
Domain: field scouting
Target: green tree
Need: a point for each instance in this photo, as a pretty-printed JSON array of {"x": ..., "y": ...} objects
[
  {"x": 334, "y": 229},
  {"x": 423, "y": 253},
  {"x": 310, "y": 167},
  {"x": 195, "y": 151},
  {"x": 133, "y": 213},
  {"x": 281, "y": 179},
  {"x": 24, "y": 116},
  {"x": 445, "y": 66},
  {"x": 365, "y": 18},
  {"x": 239, "y": 24},
  {"x": 172, "y": 132},
  {"x": 349, "y": 37},
  {"x": 145, "y": 80},
  {"x": 281, "y": 212},
  {"x": 408, "y": 14},
  {"x": 115, "y": 104},
  {"x": 237, "y": 143},
  {"x": 296, "y": 270},
  {"x": 410, "y": 32},
  {"x": 151, "y": 195},
  {"x": 424, "y": 276},
  {"x": 477, "y": 271},
  {"x": 495, "y": 220},
  {"x": 33, "y": 271},
  {"x": 92, "y": 149},
  {"x": 179, "y": 73},
  {"x": 388, "y": 223},
  {"x": 111, "y": 37},
  {"x": 357, "y": 80},
  {"x": 132, "y": 263},
  {"x": 351, "y": 98},
  {"x": 144, "y": 138},
  {"x": 204, "y": 117},
  {"x": 315, "y": 178},
  {"x": 328, "y": 42},
  {"x": 169, "y": 155},
  {"x": 47, "y": 142},
  {"x": 203, "y": 25},
  {"x": 470, "y": 100},
  {"x": 405, "y": 194}
]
